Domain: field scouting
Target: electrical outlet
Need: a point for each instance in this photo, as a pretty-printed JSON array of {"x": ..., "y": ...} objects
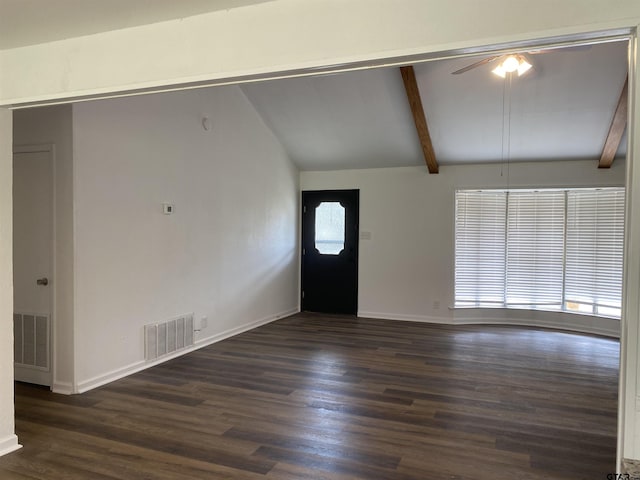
[
  {"x": 204, "y": 321},
  {"x": 436, "y": 304}
]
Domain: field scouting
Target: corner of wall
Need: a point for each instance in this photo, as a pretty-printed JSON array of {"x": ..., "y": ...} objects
[
  {"x": 9, "y": 444},
  {"x": 8, "y": 439}
]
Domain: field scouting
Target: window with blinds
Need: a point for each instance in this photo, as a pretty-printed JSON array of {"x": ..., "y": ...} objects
[
  {"x": 535, "y": 249},
  {"x": 480, "y": 248},
  {"x": 543, "y": 249},
  {"x": 595, "y": 232}
]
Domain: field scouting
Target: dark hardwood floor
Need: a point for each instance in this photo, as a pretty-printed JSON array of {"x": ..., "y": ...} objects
[{"x": 330, "y": 397}]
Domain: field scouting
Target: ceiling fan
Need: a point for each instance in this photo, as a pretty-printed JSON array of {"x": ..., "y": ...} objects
[
  {"x": 518, "y": 61},
  {"x": 507, "y": 63}
]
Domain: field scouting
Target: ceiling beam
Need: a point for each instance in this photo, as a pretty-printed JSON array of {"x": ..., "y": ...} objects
[
  {"x": 616, "y": 130},
  {"x": 413, "y": 95}
]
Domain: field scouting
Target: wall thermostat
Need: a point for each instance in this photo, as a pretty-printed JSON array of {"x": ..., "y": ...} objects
[{"x": 167, "y": 208}]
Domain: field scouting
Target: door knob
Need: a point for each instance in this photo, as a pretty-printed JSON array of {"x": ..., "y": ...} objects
[{"x": 42, "y": 281}]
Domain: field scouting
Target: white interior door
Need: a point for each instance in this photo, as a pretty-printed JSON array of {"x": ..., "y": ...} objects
[{"x": 32, "y": 264}]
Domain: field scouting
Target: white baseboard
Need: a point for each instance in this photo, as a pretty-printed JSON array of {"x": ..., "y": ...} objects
[
  {"x": 63, "y": 388},
  {"x": 554, "y": 320},
  {"x": 89, "y": 384},
  {"x": 98, "y": 381},
  {"x": 565, "y": 321},
  {"x": 406, "y": 318},
  {"x": 569, "y": 327},
  {"x": 9, "y": 444},
  {"x": 243, "y": 328}
]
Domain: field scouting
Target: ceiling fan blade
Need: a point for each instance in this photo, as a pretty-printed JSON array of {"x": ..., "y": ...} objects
[{"x": 479, "y": 63}]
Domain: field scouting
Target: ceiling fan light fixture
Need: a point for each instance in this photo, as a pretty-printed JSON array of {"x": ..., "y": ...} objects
[{"x": 512, "y": 63}]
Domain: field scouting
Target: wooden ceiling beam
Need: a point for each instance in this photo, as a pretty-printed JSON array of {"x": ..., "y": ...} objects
[
  {"x": 616, "y": 130},
  {"x": 419, "y": 118}
]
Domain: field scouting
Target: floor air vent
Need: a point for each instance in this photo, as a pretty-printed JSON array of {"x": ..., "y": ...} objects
[
  {"x": 31, "y": 341},
  {"x": 168, "y": 337}
]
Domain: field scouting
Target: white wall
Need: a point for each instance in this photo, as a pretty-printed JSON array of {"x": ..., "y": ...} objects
[
  {"x": 406, "y": 269},
  {"x": 8, "y": 440},
  {"x": 229, "y": 252},
  {"x": 53, "y": 125}
]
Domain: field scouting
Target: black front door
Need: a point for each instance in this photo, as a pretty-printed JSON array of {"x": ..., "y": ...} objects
[{"x": 330, "y": 251}]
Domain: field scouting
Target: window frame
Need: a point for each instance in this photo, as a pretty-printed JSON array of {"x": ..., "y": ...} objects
[{"x": 594, "y": 309}]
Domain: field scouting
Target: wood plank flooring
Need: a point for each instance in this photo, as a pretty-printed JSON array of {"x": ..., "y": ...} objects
[{"x": 330, "y": 397}]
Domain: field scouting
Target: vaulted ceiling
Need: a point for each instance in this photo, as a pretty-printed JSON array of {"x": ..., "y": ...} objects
[{"x": 560, "y": 110}]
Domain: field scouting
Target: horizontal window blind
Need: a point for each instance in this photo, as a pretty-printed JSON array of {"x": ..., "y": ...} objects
[
  {"x": 535, "y": 249},
  {"x": 546, "y": 249},
  {"x": 480, "y": 248},
  {"x": 595, "y": 232}
]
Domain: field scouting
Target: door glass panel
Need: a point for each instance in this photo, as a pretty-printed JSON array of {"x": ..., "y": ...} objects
[{"x": 330, "y": 228}]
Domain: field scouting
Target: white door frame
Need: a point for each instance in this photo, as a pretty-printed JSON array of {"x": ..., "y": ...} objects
[{"x": 51, "y": 150}]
